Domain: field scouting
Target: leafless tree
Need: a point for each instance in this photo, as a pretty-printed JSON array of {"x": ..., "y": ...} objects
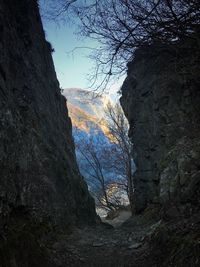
[
  {"x": 95, "y": 165},
  {"x": 121, "y": 26},
  {"x": 118, "y": 129}
]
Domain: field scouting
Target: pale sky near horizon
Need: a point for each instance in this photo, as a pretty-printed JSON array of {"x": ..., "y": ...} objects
[{"x": 72, "y": 68}]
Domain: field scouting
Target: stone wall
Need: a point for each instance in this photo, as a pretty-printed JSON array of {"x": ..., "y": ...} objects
[
  {"x": 38, "y": 168},
  {"x": 160, "y": 98}
]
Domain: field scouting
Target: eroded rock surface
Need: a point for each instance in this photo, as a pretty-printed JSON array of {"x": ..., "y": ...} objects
[
  {"x": 38, "y": 168},
  {"x": 161, "y": 97}
]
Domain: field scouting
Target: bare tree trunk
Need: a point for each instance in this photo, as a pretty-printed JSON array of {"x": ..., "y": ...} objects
[{"x": 130, "y": 187}]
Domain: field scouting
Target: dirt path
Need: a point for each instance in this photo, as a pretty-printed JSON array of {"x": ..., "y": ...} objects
[
  {"x": 142, "y": 241},
  {"x": 104, "y": 246},
  {"x": 119, "y": 220}
]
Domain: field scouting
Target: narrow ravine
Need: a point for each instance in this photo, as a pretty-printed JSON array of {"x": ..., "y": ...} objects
[{"x": 47, "y": 214}]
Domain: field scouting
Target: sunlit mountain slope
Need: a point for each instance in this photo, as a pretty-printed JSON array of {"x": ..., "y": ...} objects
[
  {"x": 93, "y": 141},
  {"x": 86, "y": 110}
]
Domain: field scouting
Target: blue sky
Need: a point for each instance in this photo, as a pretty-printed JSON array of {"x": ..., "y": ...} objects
[{"x": 72, "y": 65}]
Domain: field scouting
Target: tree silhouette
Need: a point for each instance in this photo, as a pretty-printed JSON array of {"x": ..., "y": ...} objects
[
  {"x": 122, "y": 26},
  {"x": 123, "y": 161},
  {"x": 97, "y": 159}
]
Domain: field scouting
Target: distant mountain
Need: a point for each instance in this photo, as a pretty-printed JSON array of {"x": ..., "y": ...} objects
[
  {"x": 90, "y": 132},
  {"x": 86, "y": 109},
  {"x": 89, "y": 101}
]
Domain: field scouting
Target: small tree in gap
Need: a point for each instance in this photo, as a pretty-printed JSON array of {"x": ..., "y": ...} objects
[{"x": 122, "y": 162}]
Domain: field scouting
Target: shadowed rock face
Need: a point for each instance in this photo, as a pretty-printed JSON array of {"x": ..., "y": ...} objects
[
  {"x": 37, "y": 161},
  {"x": 160, "y": 98}
]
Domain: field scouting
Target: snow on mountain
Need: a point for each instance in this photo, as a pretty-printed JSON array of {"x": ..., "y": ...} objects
[
  {"x": 89, "y": 101},
  {"x": 86, "y": 109}
]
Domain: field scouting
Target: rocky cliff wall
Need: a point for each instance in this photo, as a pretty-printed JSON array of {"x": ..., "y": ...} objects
[
  {"x": 38, "y": 167},
  {"x": 160, "y": 98}
]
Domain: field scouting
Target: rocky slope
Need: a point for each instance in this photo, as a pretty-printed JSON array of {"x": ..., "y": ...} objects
[
  {"x": 37, "y": 159},
  {"x": 86, "y": 110},
  {"x": 161, "y": 97}
]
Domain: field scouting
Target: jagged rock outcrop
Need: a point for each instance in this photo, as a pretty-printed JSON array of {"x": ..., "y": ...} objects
[
  {"x": 160, "y": 98},
  {"x": 38, "y": 167}
]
